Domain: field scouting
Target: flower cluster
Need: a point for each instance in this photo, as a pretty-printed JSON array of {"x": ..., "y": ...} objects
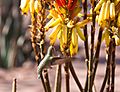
[
  {"x": 63, "y": 18},
  {"x": 109, "y": 18},
  {"x": 69, "y": 4},
  {"x": 34, "y": 6}
]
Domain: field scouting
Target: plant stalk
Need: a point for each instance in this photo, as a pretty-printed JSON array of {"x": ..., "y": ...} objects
[
  {"x": 35, "y": 46},
  {"x": 109, "y": 64},
  {"x": 107, "y": 74},
  {"x": 91, "y": 48},
  {"x": 75, "y": 77},
  {"x": 84, "y": 2},
  {"x": 41, "y": 23},
  {"x": 113, "y": 66},
  {"x": 66, "y": 67},
  {"x": 96, "y": 56},
  {"x": 43, "y": 83},
  {"x": 46, "y": 79},
  {"x": 58, "y": 79},
  {"x": 85, "y": 30}
]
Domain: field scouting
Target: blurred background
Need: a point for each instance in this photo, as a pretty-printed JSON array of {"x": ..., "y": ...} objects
[
  {"x": 15, "y": 45},
  {"x": 17, "y": 56}
]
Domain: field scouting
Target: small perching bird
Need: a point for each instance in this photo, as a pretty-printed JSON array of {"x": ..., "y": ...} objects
[
  {"x": 50, "y": 60},
  {"x": 47, "y": 61}
]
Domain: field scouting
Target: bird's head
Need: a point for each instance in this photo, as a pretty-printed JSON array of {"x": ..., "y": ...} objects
[{"x": 49, "y": 51}]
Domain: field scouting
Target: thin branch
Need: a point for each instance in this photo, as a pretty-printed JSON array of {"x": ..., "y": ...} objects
[
  {"x": 109, "y": 62},
  {"x": 43, "y": 83},
  {"x": 58, "y": 79},
  {"x": 104, "y": 81},
  {"x": 66, "y": 67},
  {"x": 96, "y": 57},
  {"x": 92, "y": 31},
  {"x": 85, "y": 30},
  {"x": 113, "y": 66},
  {"x": 46, "y": 79},
  {"x": 75, "y": 77},
  {"x": 107, "y": 74},
  {"x": 91, "y": 48},
  {"x": 86, "y": 41}
]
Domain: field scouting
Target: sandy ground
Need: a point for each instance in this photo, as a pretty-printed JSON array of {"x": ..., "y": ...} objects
[{"x": 27, "y": 78}]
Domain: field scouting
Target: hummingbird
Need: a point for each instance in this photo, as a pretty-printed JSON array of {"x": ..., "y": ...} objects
[
  {"x": 47, "y": 61},
  {"x": 50, "y": 60}
]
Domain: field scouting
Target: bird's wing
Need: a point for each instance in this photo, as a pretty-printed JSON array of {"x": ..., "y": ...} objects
[{"x": 62, "y": 60}]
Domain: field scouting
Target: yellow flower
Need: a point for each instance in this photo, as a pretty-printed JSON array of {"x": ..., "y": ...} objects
[
  {"x": 53, "y": 35},
  {"x": 32, "y": 6},
  {"x": 74, "y": 42},
  {"x": 24, "y": 6},
  {"x": 65, "y": 28},
  {"x": 73, "y": 49},
  {"x": 37, "y": 6}
]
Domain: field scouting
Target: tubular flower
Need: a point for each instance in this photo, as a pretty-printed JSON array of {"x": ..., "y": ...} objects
[
  {"x": 24, "y": 6},
  {"x": 109, "y": 19},
  {"x": 107, "y": 12},
  {"x": 66, "y": 28},
  {"x": 32, "y": 5},
  {"x": 116, "y": 36},
  {"x": 61, "y": 3},
  {"x": 70, "y": 4}
]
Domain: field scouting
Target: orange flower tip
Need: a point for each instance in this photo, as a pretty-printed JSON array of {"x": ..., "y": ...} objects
[
  {"x": 71, "y": 4},
  {"x": 61, "y": 3}
]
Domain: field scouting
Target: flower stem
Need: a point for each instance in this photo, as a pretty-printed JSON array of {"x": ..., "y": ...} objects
[
  {"x": 41, "y": 23},
  {"x": 58, "y": 79},
  {"x": 96, "y": 56},
  {"x": 91, "y": 49},
  {"x": 85, "y": 30},
  {"x": 75, "y": 77},
  {"x": 46, "y": 79},
  {"x": 107, "y": 74},
  {"x": 43, "y": 83},
  {"x": 113, "y": 66},
  {"x": 35, "y": 46},
  {"x": 110, "y": 52},
  {"x": 86, "y": 41},
  {"x": 67, "y": 76}
]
